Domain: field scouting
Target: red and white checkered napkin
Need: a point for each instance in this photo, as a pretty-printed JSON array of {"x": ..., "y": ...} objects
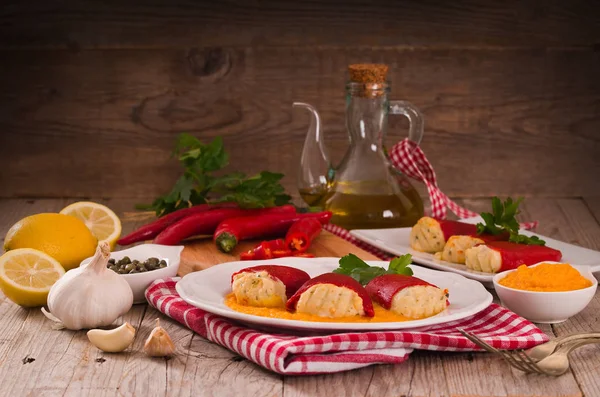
[
  {"x": 303, "y": 355},
  {"x": 409, "y": 159}
]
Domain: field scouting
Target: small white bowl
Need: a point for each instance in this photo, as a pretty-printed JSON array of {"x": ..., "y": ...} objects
[
  {"x": 546, "y": 307},
  {"x": 140, "y": 281}
]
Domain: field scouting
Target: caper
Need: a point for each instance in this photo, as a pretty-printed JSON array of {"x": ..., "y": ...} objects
[
  {"x": 126, "y": 260},
  {"x": 153, "y": 261},
  {"x": 143, "y": 269},
  {"x": 129, "y": 267},
  {"x": 133, "y": 271},
  {"x": 163, "y": 265},
  {"x": 111, "y": 261}
]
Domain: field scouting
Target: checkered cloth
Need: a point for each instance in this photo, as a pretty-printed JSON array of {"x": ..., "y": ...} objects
[
  {"x": 304, "y": 355},
  {"x": 409, "y": 159}
]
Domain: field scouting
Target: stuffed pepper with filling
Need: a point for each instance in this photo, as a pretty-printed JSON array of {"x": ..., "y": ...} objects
[
  {"x": 267, "y": 285},
  {"x": 407, "y": 296},
  {"x": 498, "y": 256},
  {"x": 430, "y": 235},
  {"x": 455, "y": 247},
  {"x": 332, "y": 295}
]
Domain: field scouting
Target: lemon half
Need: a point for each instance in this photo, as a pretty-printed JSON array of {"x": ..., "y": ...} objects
[
  {"x": 102, "y": 222},
  {"x": 26, "y": 276}
]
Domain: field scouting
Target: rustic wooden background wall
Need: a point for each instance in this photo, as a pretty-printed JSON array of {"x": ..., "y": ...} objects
[{"x": 93, "y": 94}]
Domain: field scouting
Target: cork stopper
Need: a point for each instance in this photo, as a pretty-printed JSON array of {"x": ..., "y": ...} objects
[{"x": 368, "y": 73}]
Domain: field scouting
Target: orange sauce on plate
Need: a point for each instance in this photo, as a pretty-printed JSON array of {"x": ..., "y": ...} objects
[{"x": 381, "y": 315}]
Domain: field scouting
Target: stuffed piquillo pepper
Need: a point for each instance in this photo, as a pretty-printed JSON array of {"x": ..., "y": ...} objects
[
  {"x": 267, "y": 285},
  {"x": 498, "y": 256},
  {"x": 332, "y": 295},
  {"x": 430, "y": 235},
  {"x": 407, "y": 296}
]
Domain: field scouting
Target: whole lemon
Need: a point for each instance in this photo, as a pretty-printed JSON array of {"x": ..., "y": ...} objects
[{"x": 63, "y": 237}]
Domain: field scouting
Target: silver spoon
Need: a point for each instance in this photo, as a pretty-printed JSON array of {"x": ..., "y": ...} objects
[
  {"x": 542, "y": 351},
  {"x": 558, "y": 362}
]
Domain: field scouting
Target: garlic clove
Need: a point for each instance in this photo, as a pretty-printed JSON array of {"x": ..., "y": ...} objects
[
  {"x": 113, "y": 340},
  {"x": 159, "y": 344}
]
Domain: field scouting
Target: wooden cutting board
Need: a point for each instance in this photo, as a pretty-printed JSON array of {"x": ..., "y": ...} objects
[{"x": 203, "y": 254}]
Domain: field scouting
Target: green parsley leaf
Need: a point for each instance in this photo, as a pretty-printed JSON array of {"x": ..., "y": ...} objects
[
  {"x": 502, "y": 219},
  {"x": 522, "y": 239},
  {"x": 399, "y": 265},
  {"x": 199, "y": 184},
  {"x": 351, "y": 265}
]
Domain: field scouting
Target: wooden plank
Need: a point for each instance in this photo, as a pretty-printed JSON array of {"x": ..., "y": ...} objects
[
  {"x": 593, "y": 204},
  {"x": 203, "y": 254},
  {"x": 95, "y": 124},
  {"x": 570, "y": 220},
  {"x": 64, "y": 362},
  {"x": 89, "y": 24},
  {"x": 464, "y": 371}
]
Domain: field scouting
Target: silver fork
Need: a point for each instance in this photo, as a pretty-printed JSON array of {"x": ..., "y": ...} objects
[{"x": 554, "y": 364}]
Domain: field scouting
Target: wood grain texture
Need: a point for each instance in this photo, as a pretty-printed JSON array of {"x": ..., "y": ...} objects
[
  {"x": 103, "y": 123},
  {"x": 92, "y": 24},
  {"x": 66, "y": 364},
  {"x": 572, "y": 222}
]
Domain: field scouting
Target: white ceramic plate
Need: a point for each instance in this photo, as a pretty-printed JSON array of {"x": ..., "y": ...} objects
[
  {"x": 396, "y": 241},
  {"x": 207, "y": 289}
]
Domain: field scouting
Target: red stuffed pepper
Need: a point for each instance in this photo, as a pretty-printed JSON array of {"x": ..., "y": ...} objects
[
  {"x": 430, "y": 235},
  {"x": 332, "y": 295},
  {"x": 498, "y": 256},
  {"x": 407, "y": 296},
  {"x": 267, "y": 285}
]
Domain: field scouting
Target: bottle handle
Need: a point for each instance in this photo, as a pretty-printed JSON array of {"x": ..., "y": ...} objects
[{"x": 415, "y": 119}]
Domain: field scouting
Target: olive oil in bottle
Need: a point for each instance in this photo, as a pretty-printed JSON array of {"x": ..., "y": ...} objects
[{"x": 353, "y": 207}]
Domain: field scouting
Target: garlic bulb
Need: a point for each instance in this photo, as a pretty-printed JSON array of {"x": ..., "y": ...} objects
[
  {"x": 112, "y": 340},
  {"x": 90, "y": 296},
  {"x": 159, "y": 343}
]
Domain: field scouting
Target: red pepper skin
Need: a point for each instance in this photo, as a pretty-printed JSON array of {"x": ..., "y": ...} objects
[
  {"x": 206, "y": 222},
  {"x": 382, "y": 289},
  {"x": 302, "y": 233},
  {"x": 513, "y": 255},
  {"x": 291, "y": 277},
  {"x": 231, "y": 231},
  {"x": 456, "y": 228},
  {"x": 265, "y": 250},
  {"x": 339, "y": 280},
  {"x": 151, "y": 230}
]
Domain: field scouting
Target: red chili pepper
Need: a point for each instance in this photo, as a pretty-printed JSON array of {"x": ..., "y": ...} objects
[
  {"x": 231, "y": 231},
  {"x": 206, "y": 222},
  {"x": 264, "y": 250},
  {"x": 302, "y": 233},
  {"x": 151, "y": 230},
  {"x": 271, "y": 249}
]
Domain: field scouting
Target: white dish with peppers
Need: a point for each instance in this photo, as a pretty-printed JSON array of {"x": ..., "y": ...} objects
[{"x": 167, "y": 260}]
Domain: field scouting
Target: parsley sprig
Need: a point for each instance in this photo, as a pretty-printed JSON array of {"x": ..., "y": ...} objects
[
  {"x": 199, "y": 184},
  {"x": 503, "y": 220},
  {"x": 351, "y": 265}
]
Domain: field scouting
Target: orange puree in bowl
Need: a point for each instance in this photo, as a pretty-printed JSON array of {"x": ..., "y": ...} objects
[
  {"x": 381, "y": 315},
  {"x": 546, "y": 277}
]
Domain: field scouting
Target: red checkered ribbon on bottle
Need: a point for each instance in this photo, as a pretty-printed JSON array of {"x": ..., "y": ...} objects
[{"x": 409, "y": 159}]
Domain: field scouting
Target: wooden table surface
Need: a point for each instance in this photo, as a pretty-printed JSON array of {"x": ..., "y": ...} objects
[{"x": 36, "y": 360}]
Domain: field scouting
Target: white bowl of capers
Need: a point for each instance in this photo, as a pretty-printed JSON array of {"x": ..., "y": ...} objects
[{"x": 142, "y": 264}]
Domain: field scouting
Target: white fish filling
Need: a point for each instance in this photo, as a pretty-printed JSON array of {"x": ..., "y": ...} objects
[
  {"x": 328, "y": 300},
  {"x": 419, "y": 301},
  {"x": 427, "y": 235},
  {"x": 455, "y": 247},
  {"x": 258, "y": 289},
  {"x": 483, "y": 259}
]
